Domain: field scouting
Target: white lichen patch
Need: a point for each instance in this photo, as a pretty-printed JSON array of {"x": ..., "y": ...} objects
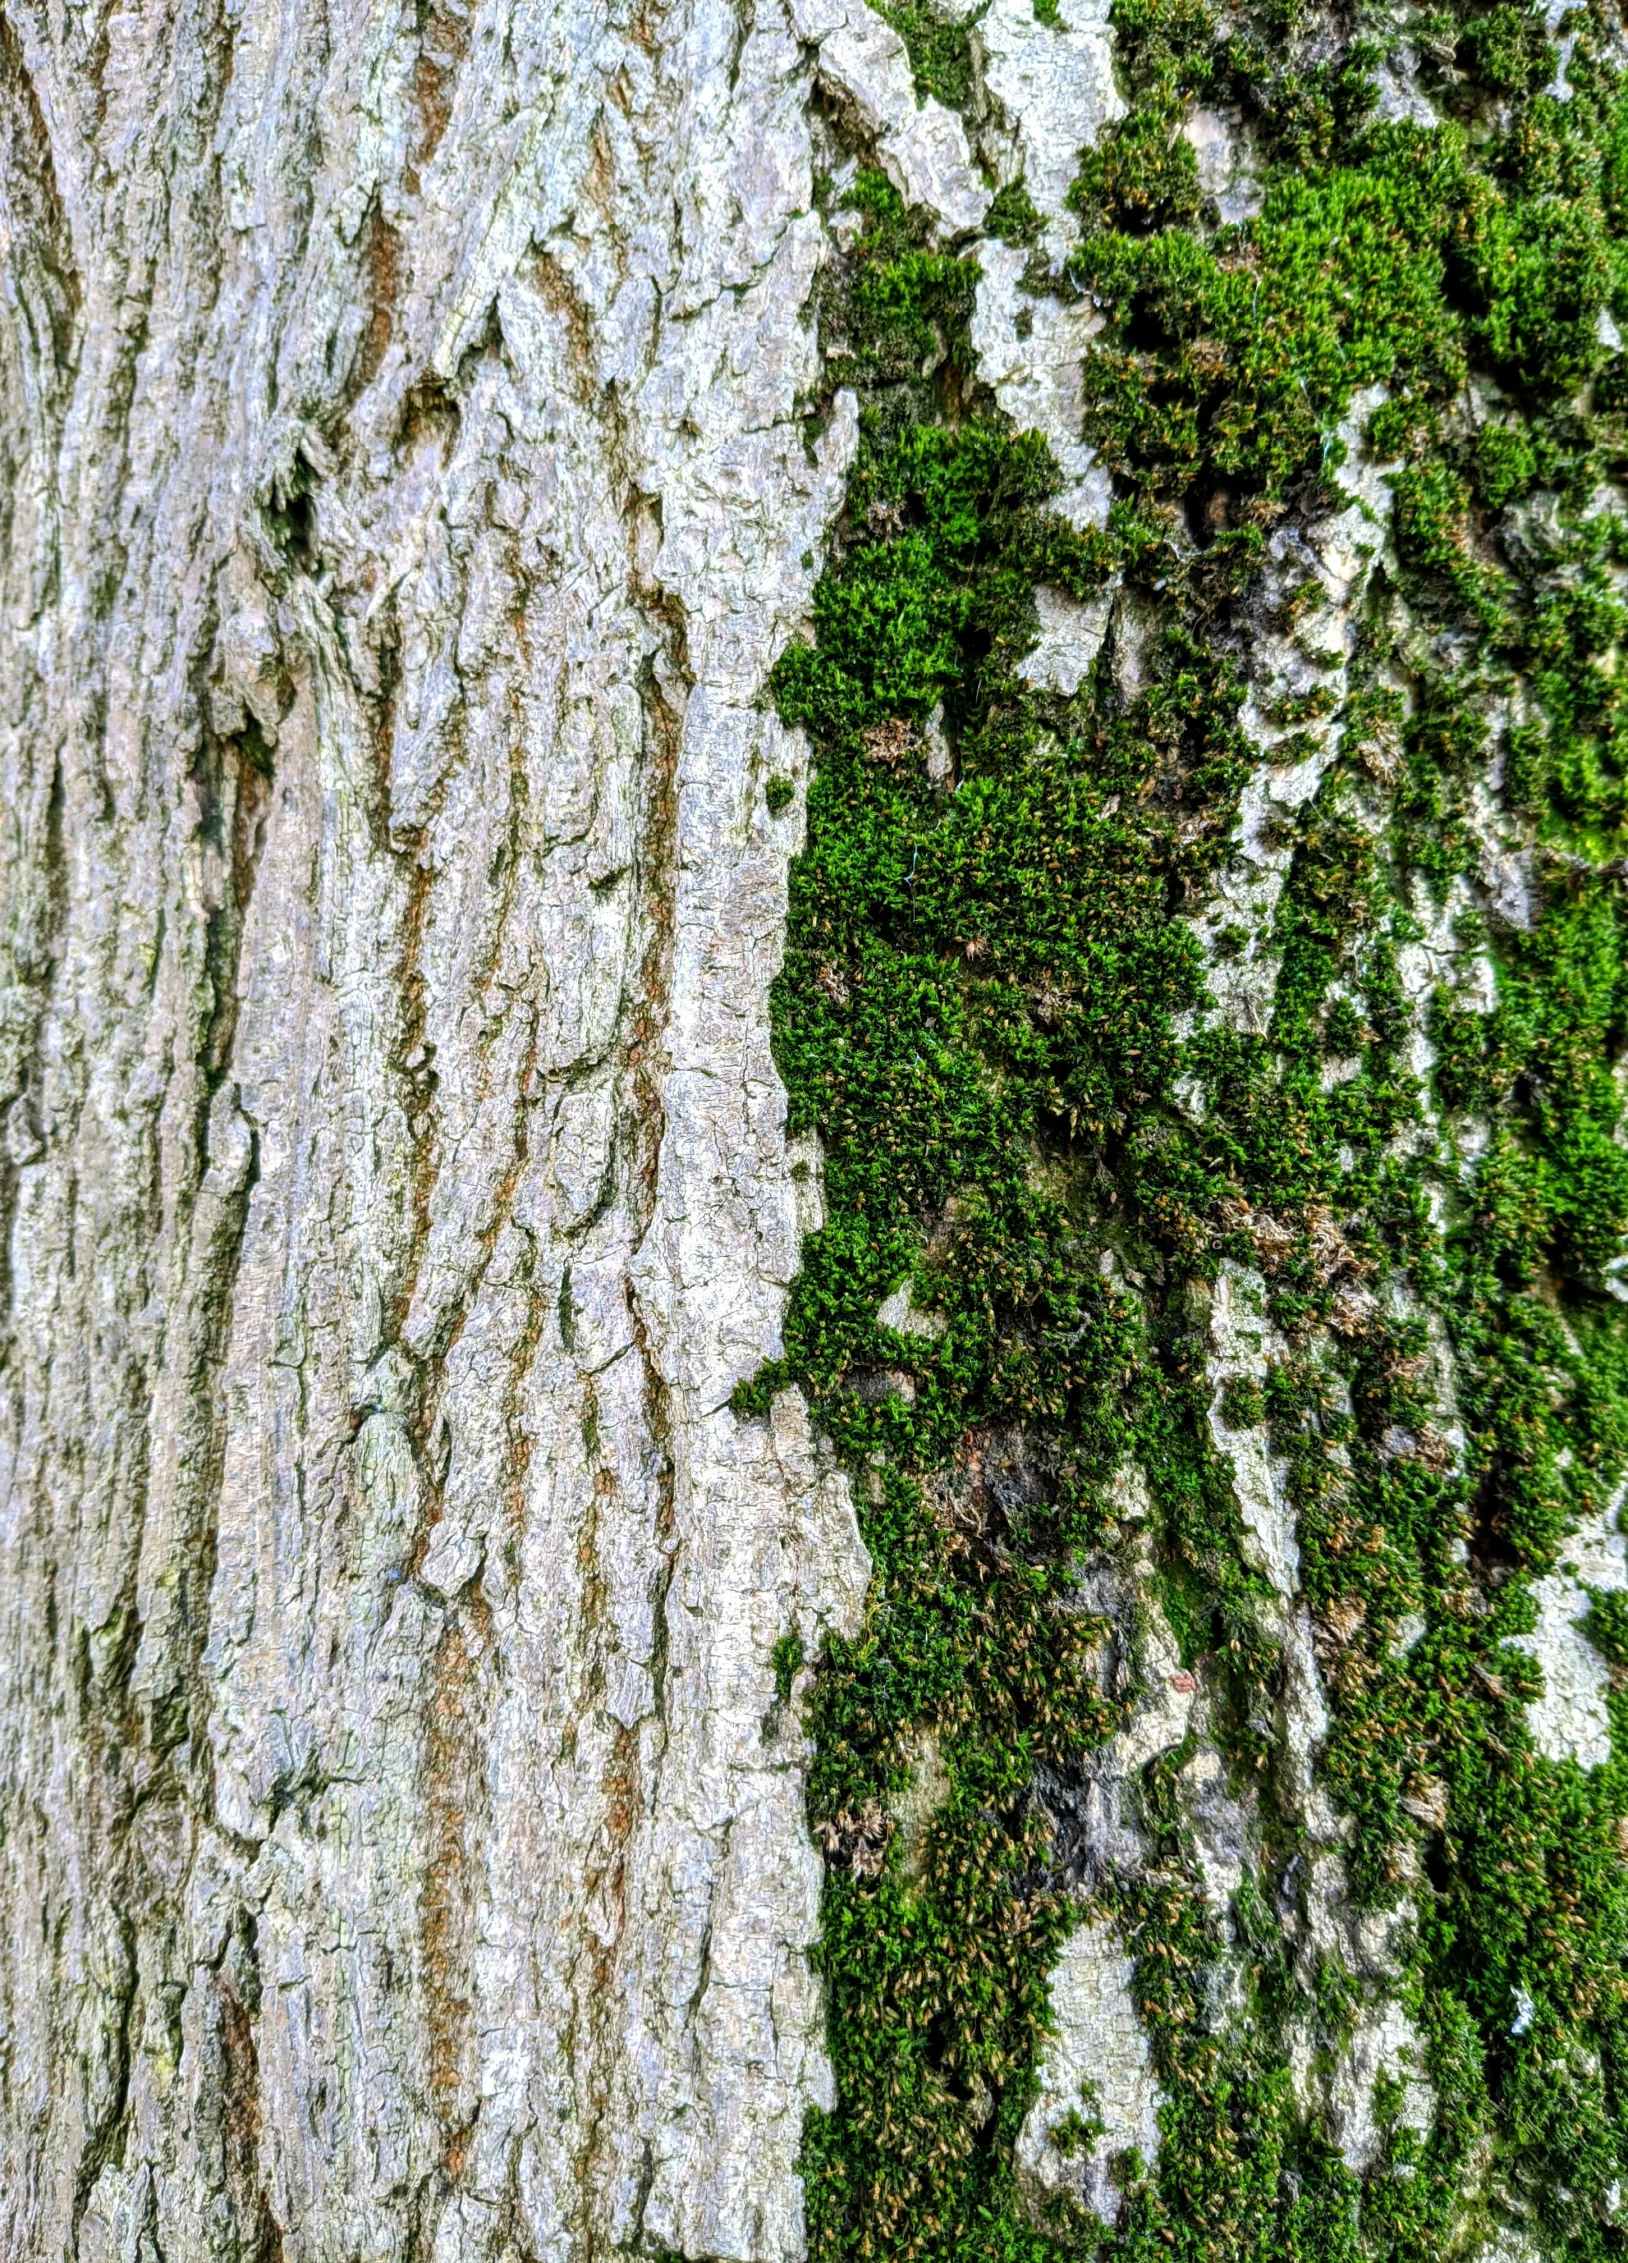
[
  {"x": 926, "y": 1789},
  {"x": 1071, "y": 636},
  {"x": 1396, "y": 85},
  {"x": 1162, "y": 1704},
  {"x": 1334, "y": 557},
  {"x": 1303, "y": 1726},
  {"x": 1242, "y": 1344},
  {"x": 1509, "y": 2246},
  {"x": 1052, "y": 91},
  {"x": 922, "y": 146},
  {"x": 1140, "y": 1666},
  {"x": 1035, "y": 374},
  {"x": 900, "y": 1312},
  {"x": 805, "y": 1164},
  {"x": 1371, "y": 1943},
  {"x": 1571, "y": 1720},
  {"x": 1431, "y": 962},
  {"x": 1336, "y": 2088},
  {"x": 1055, "y": 84},
  {"x": 1222, "y": 1826},
  {"x": 1226, "y": 174},
  {"x": 1099, "y": 2096},
  {"x": 1338, "y": 2091},
  {"x": 1159, "y": 1690}
]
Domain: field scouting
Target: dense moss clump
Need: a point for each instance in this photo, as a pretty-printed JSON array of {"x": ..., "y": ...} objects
[{"x": 995, "y": 1014}]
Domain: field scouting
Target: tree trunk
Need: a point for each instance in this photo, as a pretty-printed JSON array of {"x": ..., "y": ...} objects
[
  {"x": 487, "y": 484},
  {"x": 406, "y": 497}
]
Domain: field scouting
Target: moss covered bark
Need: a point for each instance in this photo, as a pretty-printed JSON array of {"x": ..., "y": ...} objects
[{"x": 1002, "y": 1014}]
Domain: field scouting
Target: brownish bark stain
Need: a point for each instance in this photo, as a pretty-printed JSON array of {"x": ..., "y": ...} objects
[
  {"x": 383, "y": 270},
  {"x": 259, "y": 2235},
  {"x": 455, "y": 1815},
  {"x": 443, "y": 44}
]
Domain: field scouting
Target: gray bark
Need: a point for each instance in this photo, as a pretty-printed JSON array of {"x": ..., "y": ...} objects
[{"x": 406, "y": 495}]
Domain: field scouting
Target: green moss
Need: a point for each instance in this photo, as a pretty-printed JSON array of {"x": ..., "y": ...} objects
[
  {"x": 940, "y": 57},
  {"x": 891, "y": 314},
  {"x": 992, "y": 1011},
  {"x": 1012, "y": 215},
  {"x": 789, "y": 1657},
  {"x": 1505, "y": 464},
  {"x": 1243, "y": 1404}
]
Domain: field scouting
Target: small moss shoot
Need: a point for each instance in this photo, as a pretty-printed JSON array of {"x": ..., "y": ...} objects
[
  {"x": 788, "y": 1661},
  {"x": 994, "y": 1010}
]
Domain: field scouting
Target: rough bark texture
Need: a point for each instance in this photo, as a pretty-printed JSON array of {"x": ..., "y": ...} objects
[{"x": 405, "y": 499}]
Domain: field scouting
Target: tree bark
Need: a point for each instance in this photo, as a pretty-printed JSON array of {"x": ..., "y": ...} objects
[
  {"x": 423, "y": 430},
  {"x": 406, "y": 497}
]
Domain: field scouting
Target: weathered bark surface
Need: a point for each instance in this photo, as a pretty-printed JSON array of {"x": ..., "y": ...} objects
[
  {"x": 409, "y": 479},
  {"x": 406, "y": 496}
]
